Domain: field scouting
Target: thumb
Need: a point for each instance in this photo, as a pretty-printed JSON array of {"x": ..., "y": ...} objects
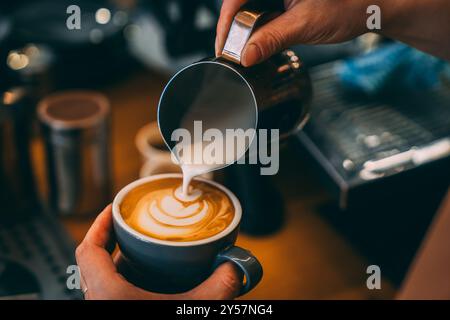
[
  {"x": 223, "y": 284},
  {"x": 269, "y": 39}
]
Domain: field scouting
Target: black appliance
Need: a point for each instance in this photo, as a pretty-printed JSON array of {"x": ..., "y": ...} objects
[{"x": 366, "y": 148}]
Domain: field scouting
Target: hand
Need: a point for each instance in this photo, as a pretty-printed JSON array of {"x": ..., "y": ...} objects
[
  {"x": 304, "y": 21},
  {"x": 422, "y": 24},
  {"x": 100, "y": 276}
]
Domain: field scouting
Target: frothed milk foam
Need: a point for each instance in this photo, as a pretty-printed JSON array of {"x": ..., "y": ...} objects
[{"x": 160, "y": 210}]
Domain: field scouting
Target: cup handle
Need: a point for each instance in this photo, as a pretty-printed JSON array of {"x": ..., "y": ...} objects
[{"x": 245, "y": 261}]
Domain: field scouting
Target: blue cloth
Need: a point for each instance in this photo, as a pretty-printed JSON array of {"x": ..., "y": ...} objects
[{"x": 391, "y": 67}]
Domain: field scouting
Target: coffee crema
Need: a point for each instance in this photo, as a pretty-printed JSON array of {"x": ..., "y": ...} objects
[{"x": 160, "y": 210}]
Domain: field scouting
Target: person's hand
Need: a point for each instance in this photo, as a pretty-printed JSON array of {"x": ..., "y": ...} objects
[
  {"x": 422, "y": 24},
  {"x": 304, "y": 21},
  {"x": 100, "y": 278}
]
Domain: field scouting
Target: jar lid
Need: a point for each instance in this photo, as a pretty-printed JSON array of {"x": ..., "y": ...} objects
[{"x": 73, "y": 109}]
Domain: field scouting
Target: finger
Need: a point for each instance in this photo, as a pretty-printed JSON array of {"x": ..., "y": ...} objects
[
  {"x": 133, "y": 292},
  {"x": 270, "y": 38},
  {"x": 83, "y": 286},
  {"x": 101, "y": 231},
  {"x": 227, "y": 13},
  {"x": 223, "y": 284},
  {"x": 96, "y": 265},
  {"x": 101, "y": 279},
  {"x": 118, "y": 258}
]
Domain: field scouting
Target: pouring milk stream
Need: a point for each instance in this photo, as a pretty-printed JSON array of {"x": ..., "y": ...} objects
[{"x": 207, "y": 116}]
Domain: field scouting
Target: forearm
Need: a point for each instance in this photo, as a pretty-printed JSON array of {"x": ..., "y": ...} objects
[{"x": 423, "y": 24}]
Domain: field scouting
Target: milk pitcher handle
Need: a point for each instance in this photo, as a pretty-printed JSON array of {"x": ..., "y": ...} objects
[{"x": 244, "y": 22}]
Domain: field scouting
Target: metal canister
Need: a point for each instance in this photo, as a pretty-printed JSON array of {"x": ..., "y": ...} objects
[{"x": 75, "y": 127}]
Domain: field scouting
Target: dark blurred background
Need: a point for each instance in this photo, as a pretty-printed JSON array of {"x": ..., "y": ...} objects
[{"x": 358, "y": 186}]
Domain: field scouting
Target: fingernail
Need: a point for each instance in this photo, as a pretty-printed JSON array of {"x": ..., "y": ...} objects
[{"x": 252, "y": 55}]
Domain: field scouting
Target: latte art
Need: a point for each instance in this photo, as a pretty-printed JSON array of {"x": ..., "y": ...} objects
[{"x": 161, "y": 210}]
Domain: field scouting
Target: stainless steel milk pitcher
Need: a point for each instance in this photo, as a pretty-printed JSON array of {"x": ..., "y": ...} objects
[{"x": 223, "y": 94}]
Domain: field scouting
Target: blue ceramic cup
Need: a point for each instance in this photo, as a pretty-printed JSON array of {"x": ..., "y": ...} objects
[{"x": 171, "y": 266}]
